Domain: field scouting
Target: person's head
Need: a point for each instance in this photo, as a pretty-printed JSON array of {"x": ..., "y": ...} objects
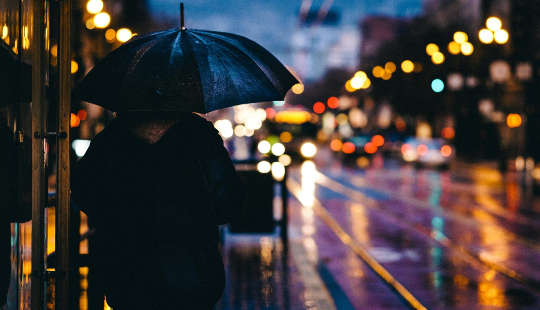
[{"x": 145, "y": 117}]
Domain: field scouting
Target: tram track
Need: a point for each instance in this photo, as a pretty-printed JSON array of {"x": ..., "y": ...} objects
[
  {"x": 358, "y": 249},
  {"x": 467, "y": 254}
]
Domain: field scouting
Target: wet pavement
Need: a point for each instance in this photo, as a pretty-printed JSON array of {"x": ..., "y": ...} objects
[{"x": 394, "y": 237}]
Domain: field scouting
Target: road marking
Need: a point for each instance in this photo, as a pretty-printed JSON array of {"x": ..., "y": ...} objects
[
  {"x": 440, "y": 238},
  {"x": 317, "y": 295},
  {"x": 358, "y": 249},
  {"x": 419, "y": 204}
]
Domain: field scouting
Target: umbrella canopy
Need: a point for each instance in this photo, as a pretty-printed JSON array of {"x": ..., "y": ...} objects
[
  {"x": 15, "y": 77},
  {"x": 185, "y": 70}
]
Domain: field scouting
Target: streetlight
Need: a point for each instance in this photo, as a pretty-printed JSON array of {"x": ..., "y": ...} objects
[
  {"x": 94, "y": 6},
  {"x": 501, "y": 36},
  {"x": 123, "y": 35},
  {"x": 102, "y": 20},
  {"x": 493, "y": 23},
  {"x": 485, "y": 36},
  {"x": 494, "y": 32}
]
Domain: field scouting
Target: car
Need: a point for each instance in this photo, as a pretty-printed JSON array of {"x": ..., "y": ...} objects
[{"x": 427, "y": 152}]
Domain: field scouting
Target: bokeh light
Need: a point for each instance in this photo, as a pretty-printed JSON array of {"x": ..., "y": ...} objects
[
  {"x": 285, "y": 137},
  {"x": 348, "y": 148},
  {"x": 308, "y": 150},
  {"x": 102, "y": 20},
  {"x": 110, "y": 35},
  {"x": 264, "y": 146},
  {"x": 437, "y": 58},
  {"x": 390, "y": 67},
  {"x": 493, "y": 23},
  {"x": 318, "y": 107},
  {"x": 333, "y": 102},
  {"x": 513, "y": 120},
  {"x": 432, "y": 48},
  {"x": 501, "y": 36},
  {"x": 278, "y": 149},
  {"x": 485, "y": 36},
  {"x": 264, "y": 166},
  {"x": 377, "y": 71},
  {"x": 460, "y": 37},
  {"x": 467, "y": 48},
  {"x": 437, "y": 85},
  {"x": 74, "y": 67},
  {"x": 407, "y": 66},
  {"x": 124, "y": 35},
  {"x": 298, "y": 88},
  {"x": 94, "y": 6},
  {"x": 454, "y": 48}
]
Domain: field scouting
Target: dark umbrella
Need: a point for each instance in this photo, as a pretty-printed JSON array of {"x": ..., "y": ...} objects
[
  {"x": 15, "y": 77},
  {"x": 186, "y": 70}
]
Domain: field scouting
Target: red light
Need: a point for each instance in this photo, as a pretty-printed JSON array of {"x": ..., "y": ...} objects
[
  {"x": 270, "y": 113},
  {"x": 405, "y": 148},
  {"x": 348, "y": 147},
  {"x": 446, "y": 150},
  {"x": 319, "y": 107},
  {"x": 82, "y": 114},
  {"x": 448, "y": 133},
  {"x": 422, "y": 149},
  {"x": 378, "y": 140},
  {"x": 333, "y": 102},
  {"x": 370, "y": 148}
]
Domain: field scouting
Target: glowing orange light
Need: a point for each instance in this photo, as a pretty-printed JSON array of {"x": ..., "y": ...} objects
[
  {"x": 319, "y": 107},
  {"x": 513, "y": 120},
  {"x": 74, "y": 121},
  {"x": 446, "y": 150},
  {"x": 421, "y": 149},
  {"x": 348, "y": 147},
  {"x": 336, "y": 145},
  {"x": 400, "y": 124},
  {"x": 370, "y": 148},
  {"x": 333, "y": 102},
  {"x": 82, "y": 115},
  {"x": 448, "y": 133},
  {"x": 378, "y": 140}
]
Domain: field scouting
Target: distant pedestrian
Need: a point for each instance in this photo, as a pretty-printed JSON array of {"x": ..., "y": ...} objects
[{"x": 155, "y": 187}]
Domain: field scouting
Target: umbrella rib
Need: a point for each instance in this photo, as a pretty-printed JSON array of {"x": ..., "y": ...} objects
[{"x": 232, "y": 46}]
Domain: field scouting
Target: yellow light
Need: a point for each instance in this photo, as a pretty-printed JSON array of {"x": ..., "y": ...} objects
[
  {"x": 366, "y": 84},
  {"x": 501, "y": 36},
  {"x": 361, "y": 74},
  {"x": 94, "y": 6},
  {"x": 454, "y": 48},
  {"x": 513, "y": 120},
  {"x": 349, "y": 87},
  {"x": 278, "y": 171},
  {"x": 54, "y": 50},
  {"x": 90, "y": 24},
  {"x": 387, "y": 75},
  {"x": 124, "y": 35},
  {"x": 432, "y": 48},
  {"x": 377, "y": 71},
  {"x": 362, "y": 162},
  {"x": 278, "y": 149},
  {"x": 110, "y": 35},
  {"x": 407, "y": 66},
  {"x": 74, "y": 67},
  {"x": 390, "y": 66},
  {"x": 467, "y": 48},
  {"x": 485, "y": 36},
  {"x": 308, "y": 150},
  {"x": 357, "y": 81},
  {"x": 264, "y": 166},
  {"x": 298, "y": 88},
  {"x": 285, "y": 159},
  {"x": 292, "y": 117},
  {"x": 437, "y": 58},
  {"x": 285, "y": 137},
  {"x": 5, "y": 31},
  {"x": 494, "y": 23},
  {"x": 102, "y": 20},
  {"x": 460, "y": 37}
]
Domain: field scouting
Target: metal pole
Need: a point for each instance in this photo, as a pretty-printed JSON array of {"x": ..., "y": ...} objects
[
  {"x": 64, "y": 268},
  {"x": 38, "y": 166}
]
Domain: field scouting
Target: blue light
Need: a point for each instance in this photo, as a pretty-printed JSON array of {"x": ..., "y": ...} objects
[
  {"x": 279, "y": 103},
  {"x": 437, "y": 85}
]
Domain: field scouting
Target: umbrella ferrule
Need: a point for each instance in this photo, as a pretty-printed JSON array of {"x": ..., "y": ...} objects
[{"x": 182, "y": 23}]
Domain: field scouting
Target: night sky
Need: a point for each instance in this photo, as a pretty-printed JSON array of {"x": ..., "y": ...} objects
[{"x": 272, "y": 22}]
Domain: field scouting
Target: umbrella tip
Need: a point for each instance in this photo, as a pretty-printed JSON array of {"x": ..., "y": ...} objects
[{"x": 182, "y": 23}]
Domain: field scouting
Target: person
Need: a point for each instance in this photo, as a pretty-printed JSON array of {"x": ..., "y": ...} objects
[{"x": 155, "y": 187}]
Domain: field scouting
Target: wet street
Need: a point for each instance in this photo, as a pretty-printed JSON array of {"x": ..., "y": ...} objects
[{"x": 394, "y": 236}]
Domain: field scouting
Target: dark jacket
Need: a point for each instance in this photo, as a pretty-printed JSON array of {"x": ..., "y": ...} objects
[
  {"x": 7, "y": 205},
  {"x": 155, "y": 209}
]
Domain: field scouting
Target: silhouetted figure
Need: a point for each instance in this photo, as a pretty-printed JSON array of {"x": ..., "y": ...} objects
[
  {"x": 8, "y": 196},
  {"x": 155, "y": 188}
]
